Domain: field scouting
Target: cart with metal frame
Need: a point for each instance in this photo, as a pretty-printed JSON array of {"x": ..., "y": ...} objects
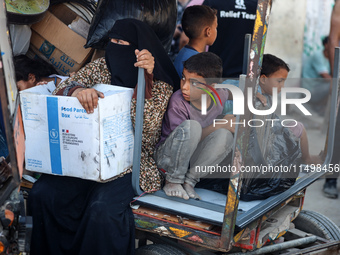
[{"x": 219, "y": 223}]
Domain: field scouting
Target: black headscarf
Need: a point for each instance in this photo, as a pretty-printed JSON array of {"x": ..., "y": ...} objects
[{"x": 120, "y": 59}]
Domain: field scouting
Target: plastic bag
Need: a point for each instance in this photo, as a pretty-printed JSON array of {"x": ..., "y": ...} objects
[
  {"x": 20, "y": 37},
  {"x": 274, "y": 153},
  {"x": 161, "y": 15}
]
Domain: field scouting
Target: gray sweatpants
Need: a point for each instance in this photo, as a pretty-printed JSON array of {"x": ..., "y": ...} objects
[{"x": 184, "y": 146}]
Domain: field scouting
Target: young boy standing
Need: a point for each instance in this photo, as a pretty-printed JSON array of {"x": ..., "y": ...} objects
[
  {"x": 199, "y": 23},
  {"x": 189, "y": 138}
]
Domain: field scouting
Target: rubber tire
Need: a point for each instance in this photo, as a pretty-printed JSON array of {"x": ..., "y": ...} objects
[
  {"x": 317, "y": 224},
  {"x": 158, "y": 249}
]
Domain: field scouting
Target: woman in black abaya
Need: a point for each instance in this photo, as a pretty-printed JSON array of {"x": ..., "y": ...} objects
[{"x": 75, "y": 216}]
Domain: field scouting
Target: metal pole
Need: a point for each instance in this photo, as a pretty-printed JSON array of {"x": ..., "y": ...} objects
[
  {"x": 281, "y": 246},
  {"x": 242, "y": 133},
  {"x": 334, "y": 106},
  {"x": 137, "y": 149},
  {"x": 247, "y": 42}
]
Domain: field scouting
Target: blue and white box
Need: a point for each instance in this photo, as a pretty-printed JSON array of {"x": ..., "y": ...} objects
[{"x": 62, "y": 139}]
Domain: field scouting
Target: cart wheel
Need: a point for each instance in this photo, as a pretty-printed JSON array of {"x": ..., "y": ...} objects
[
  {"x": 317, "y": 224},
  {"x": 158, "y": 249}
]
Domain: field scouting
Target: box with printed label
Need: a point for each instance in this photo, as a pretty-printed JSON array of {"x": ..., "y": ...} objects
[
  {"x": 62, "y": 139},
  {"x": 57, "y": 42}
]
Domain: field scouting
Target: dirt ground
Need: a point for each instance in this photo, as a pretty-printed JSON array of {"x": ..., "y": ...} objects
[{"x": 315, "y": 200}]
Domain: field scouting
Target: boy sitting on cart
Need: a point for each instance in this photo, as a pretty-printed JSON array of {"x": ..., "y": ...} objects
[
  {"x": 274, "y": 73},
  {"x": 189, "y": 137}
]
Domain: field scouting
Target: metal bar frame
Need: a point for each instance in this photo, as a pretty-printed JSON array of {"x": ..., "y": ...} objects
[
  {"x": 242, "y": 133},
  {"x": 137, "y": 149},
  {"x": 247, "y": 42},
  {"x": 230, "y": 220},
  {"x": 11, "y": 115}
]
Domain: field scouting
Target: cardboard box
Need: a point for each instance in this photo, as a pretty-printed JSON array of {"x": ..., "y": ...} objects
[
  {"x": 57, "y": 42},
  {"x": 62, "y": 139}
]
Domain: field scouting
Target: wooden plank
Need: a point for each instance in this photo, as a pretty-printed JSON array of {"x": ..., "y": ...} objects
[
  {"x": 176, "y": 231},
  {"x": 173, "y": 218}
]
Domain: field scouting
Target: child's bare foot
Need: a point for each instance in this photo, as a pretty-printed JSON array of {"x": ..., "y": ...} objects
[
  {"x": 313, "y": 159},
  {"x": 175, "y": 190},
  {"x": 191, "y": 191}
]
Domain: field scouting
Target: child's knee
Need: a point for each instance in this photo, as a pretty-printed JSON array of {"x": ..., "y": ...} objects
[
  {"x": 224, "y": 139},
  {"x": 189, "y": 129},
  {"x": 191, "y": 125}
]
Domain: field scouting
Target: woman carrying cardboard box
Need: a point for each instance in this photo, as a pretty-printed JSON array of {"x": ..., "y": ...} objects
[{"x": 75, "y": 216}]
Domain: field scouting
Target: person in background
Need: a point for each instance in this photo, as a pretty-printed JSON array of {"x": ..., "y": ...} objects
[
  {"x": 316, "y": 74},
  {"x": 183, "y": 40},
  {"x": 78, "y": 216},
  {"x": 181, "y": 5},
  {"x": 235, "y": 20},
  {"x": 32, "y": 72},
  {"x": 330, "y": 187},
  {"x": 199, "y": 23},
  {"x": 190, "y": 139},
  {"x": 334, "y": 33}
]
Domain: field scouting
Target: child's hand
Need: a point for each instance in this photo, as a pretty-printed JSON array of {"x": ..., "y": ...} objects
[
  {"x": 231, "y": 120},
  {"x": 88, "y": 98},
  {"x": 262, "y": 98},
  {"x": 41, "y": 83},
  {"x": 145, "y": 60}
]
